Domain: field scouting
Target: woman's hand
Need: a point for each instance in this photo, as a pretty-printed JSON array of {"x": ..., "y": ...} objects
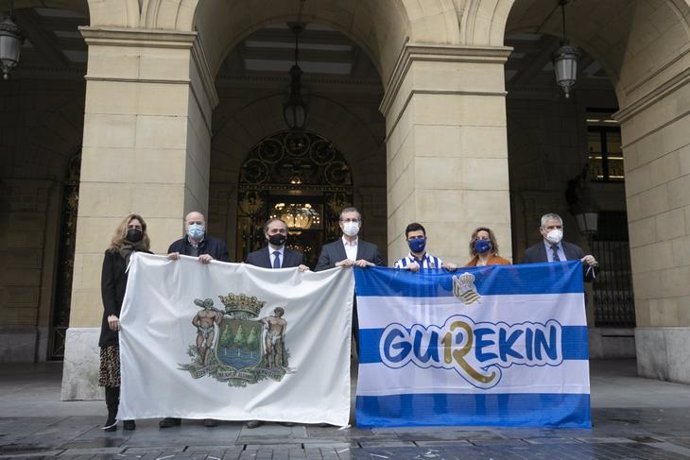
[{"x": 113, "y": 323}]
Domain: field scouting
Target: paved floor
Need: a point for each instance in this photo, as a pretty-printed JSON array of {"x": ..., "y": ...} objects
[{"x": 633, "y": 418}]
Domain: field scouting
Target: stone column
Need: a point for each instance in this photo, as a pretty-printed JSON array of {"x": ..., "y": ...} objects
[
  {"x": 447, "y": 154},
  {"x": 656, "y": 136},
  {"x": 146, "y": 149}
]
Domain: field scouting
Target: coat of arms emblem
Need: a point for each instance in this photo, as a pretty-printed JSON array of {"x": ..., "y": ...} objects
[
  {"x": 234, "y": 345},
  {"x": 464, "y": 289}
]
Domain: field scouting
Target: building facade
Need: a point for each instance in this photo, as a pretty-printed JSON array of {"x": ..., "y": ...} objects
[{"x": 442, "y": 112}]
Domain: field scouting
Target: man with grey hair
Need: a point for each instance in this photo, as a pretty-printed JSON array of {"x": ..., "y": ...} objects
[{"x": 553, "y": 249}]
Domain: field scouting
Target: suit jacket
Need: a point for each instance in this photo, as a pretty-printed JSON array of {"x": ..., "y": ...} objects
[
  {"x": 262, "y": 258},
  {"x": 335, "y": 252},
  {"x": 537, "y": 254}
]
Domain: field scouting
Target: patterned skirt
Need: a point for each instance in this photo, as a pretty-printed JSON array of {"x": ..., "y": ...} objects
[{"x": 109, "y": 373}]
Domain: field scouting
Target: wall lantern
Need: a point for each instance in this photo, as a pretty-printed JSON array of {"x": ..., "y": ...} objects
[
  {"x": 295, "y": 108},
  {"x": 582, "y": 204},
  {"x": 11, "y": 39},
  {"x": 565, "y": 60}
]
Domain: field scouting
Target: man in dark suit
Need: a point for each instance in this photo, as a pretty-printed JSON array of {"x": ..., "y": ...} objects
[
  {"x": 349, "y": 251},
  {"x": 275, "y": 254},
  {"x": 553, "y": 249}
]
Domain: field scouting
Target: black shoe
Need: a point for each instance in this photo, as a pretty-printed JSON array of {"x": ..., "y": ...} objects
[
  {"x": 209, "y": 422},
  {"x": 129, "y": 425},
  {"x": 110, "y": 423},
  {"x": 253, "y": 424},
  {"x": 167, "y": 422},
  {"x": 287, "y": 423}
]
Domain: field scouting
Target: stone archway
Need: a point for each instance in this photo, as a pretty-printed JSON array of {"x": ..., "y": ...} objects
[{"x": 643, "y": 47}]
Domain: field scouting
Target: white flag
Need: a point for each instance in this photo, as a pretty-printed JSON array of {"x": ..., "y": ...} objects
[{"x": 235, "y": 342}]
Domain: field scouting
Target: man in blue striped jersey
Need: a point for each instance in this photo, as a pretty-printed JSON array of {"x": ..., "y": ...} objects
[{"x": 415, "y": 234}]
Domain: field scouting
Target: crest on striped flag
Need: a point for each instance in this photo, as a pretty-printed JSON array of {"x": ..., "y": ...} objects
[{"x": 464, "y": 289}]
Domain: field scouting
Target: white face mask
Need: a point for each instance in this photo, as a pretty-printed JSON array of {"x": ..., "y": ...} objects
[
  {"x": 195, "y": 231},
  {"x": 554, "y": 236},
  {"x": 351, "y": 228}
]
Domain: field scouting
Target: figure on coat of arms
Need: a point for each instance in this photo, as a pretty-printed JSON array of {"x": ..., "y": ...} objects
[
  {"x": 205, "y": 330},
  {"x": 274, "y": 346}
]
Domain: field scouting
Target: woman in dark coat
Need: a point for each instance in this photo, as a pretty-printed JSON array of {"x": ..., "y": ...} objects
[{"x": 130, "y": 236}]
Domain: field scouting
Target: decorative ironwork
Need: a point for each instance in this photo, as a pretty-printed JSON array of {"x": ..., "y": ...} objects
[
  {"x": 290, "y": 169},
  {"x": 614, "y": 303},
  {"x": 68, "y": 231}
]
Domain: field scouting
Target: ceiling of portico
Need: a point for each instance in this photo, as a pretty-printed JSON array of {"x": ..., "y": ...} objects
[
  {"x": 53, "y": 43},
  {"x": 373, "y": 25},
  {"x": 628, "y": 40},
  {"x": 323, "y": 52},
  {"x": 632, "y": 40}
]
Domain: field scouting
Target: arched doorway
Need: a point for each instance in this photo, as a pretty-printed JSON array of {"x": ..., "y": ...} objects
[
  {"x": 251, "y": 147},
  {"x": 563, "y": 152},
  {"x": 300, "y": 177}
]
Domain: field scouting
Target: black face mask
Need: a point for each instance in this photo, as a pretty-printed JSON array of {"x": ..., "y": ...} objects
[
  {"x": 134, "y": 235},
  {"x": 277, "y": 240}
]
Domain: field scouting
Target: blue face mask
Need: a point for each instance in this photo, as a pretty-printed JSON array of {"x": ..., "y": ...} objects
[
  {"x": 417, "y": 245},
  {"x": 482, "y": 246},
  {"x": 195, "y": 231}
]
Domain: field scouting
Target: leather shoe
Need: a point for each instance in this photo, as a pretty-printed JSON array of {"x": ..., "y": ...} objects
[
  {"x": 167, "y": 422},
  {"x": 129, "y": 425},
  {"x": 251, "y": 424},
  {"x": 210, "y": 422}
]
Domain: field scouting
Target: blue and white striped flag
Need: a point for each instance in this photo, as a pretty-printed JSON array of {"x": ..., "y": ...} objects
[{"x": 498, "y": 345}]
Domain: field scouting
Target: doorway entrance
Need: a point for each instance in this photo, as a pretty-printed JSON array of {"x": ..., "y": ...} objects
[{"x": 300, "y": 177}]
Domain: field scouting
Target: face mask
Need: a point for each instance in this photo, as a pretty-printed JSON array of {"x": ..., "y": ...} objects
[
  {"x": 351, "y": 228},
  {"x": 134, "y": 235},
  {"x": 554, "y": 236},
  {"x": 417, "y": 245},
  {"x": 277, "y": 239},
  {"x": 482, "y": 246},
  {"x": 195, "y": 231}
]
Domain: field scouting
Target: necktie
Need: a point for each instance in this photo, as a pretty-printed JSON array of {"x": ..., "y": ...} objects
[
  {"x": 554, "y": 248},
  {"x": 276, "y": 260}
]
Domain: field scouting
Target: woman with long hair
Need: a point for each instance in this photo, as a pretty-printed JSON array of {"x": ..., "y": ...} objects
[
  {"x": 129, "y": 237},
  {"x": 484, "y": 249}
]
